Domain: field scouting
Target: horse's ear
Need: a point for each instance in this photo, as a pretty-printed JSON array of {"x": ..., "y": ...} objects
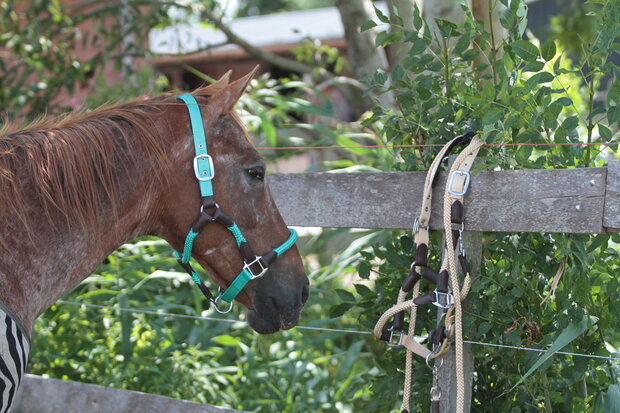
[
  {"x": 222, "y": 81},
  {"x": 209, "y": 89},
  {"x": 225, "y": 99}
]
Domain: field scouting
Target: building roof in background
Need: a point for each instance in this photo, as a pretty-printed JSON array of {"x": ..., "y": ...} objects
[{"x": 271, "y": 29}]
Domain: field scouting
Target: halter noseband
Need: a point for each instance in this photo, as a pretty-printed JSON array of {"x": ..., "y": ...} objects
[{"x": 254, "y": 266}]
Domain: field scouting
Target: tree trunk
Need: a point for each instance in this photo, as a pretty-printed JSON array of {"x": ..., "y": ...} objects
[{"x": 364, "y": 57}]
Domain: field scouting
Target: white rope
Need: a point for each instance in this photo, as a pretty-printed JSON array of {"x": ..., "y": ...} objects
[{"x": 458, "y": 294}]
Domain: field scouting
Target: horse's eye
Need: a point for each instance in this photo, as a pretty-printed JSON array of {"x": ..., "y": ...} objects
[{"x": 257, "y": 173}]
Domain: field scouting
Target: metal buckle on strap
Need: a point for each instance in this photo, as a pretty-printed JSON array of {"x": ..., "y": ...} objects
[
  {"x": 205, "y": 176},
  {"x": 443, "y": 300},
  {"x": 452, "y": 182},
  {"x": 248, "y": 266},
  {"x": 399, "y": 336}
]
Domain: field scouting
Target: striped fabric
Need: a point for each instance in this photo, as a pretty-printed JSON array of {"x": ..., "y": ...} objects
[{"x": 14, "y": 349}]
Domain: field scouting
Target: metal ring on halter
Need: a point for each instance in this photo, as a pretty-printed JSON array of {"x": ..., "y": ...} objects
[
  {"x": 429, "y": 357},
  {"x": 215, "y": 301},
  {"x": 202, "y": 207}
]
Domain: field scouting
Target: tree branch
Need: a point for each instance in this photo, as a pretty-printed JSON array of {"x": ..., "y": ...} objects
[{"x": 274, "y": 59}]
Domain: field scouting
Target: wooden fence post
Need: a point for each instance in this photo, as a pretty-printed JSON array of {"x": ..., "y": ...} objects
[{"x": 472, "y": 242}]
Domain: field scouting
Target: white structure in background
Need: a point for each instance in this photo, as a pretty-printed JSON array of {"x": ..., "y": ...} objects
[{"x": 279, "y": 28}]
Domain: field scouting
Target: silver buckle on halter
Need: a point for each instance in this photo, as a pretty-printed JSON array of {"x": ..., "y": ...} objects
[
  {"x": 204, "y": 177},
  {"x": 443, "y": 300},
  {"x": 398, "y": 335},
  {"x": 248, "y": 266},
  {"x": 452, "y": 182}
]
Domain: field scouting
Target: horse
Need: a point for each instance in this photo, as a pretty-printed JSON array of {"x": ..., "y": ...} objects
[{"x": 74, "y": 189}]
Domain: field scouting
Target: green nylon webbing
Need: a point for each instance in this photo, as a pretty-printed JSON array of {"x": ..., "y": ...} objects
[
  {"x": 237, "y": 285},
  {"x": 245, "y": 276},
  {"x": 200, "y": 144},
  {"x": 196, "y": 278},
  {"x": 237, "y": 234},
  {"x": 187, "y": 248},
  {"x": 288, "y": 243}
]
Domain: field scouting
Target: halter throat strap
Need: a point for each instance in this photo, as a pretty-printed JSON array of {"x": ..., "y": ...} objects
[{"x": 254, "y": 266}]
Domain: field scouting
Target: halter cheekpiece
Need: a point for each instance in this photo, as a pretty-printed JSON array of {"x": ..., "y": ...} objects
[{"x": 254, "y": 266}]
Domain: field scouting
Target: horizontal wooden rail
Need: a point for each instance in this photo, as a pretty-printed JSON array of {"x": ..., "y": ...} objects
[
  {"x": 584, "y": 200},
  {"x": 43, "y": 395}
]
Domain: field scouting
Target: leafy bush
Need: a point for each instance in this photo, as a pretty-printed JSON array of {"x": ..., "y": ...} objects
[{"x": 510, "y": 91}]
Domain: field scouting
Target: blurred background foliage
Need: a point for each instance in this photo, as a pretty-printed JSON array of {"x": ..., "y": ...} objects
[{"x": 517, "y": 89}]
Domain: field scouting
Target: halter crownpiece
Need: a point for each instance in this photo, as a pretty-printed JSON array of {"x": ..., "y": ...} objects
[{"x": 254, "y": 266}]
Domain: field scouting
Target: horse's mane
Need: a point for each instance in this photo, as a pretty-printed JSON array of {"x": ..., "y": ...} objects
[{"x": 73, "y": 166}]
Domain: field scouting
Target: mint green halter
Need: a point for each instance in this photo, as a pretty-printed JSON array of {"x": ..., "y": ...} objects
[{"x": 254, "y": 266}]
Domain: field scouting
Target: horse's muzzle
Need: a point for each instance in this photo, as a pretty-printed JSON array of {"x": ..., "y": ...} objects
[{"x": 276, "y": 307}]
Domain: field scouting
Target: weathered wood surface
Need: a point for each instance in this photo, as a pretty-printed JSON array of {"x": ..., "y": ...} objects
[
  {"x": 472, "y": 242},
  {"x": 562, "y": 200},
  {"x": 41, "y": 395},
  {"x": 611, "y": 217}
]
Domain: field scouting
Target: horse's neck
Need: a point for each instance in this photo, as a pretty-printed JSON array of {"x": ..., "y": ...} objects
[{"x": 34, "y": 275}]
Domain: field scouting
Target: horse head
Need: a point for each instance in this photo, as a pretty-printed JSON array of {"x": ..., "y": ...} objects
[{"x": 241, "y": 190}]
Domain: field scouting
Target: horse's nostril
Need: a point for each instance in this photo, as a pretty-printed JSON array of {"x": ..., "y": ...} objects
[{"x": 304, "y": 293}]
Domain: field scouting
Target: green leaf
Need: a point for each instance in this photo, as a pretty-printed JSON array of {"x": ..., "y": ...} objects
[
  {"x": 470, "y": 55},
  {"x": 339, "y": 309},
  {"x": 597, "y": 242},
  {"x": 613, "y": 114},
  {"x": 351, "y": 145},
  {"x": 605, "y": 132},
  {"x": 548, "y": 50},
  {"x": 564, "y": 101},
  {"x": 571, "y": 332},
  {"x": 570, "y": 123},
  {"x": 525, "y": 50},
  {"x": 368, "y": 25},
  {"x": 557, "y": 64},
  {"x": 446, "y": 28},
  {"x": 535, "y": 66},
  {"x": 417, "y": 19},
  {"x": 462, "y": 44},
  {"x": 268, "y": 129},
  {"x": 613, "y": 94},
  {"x": 363, "y": 290},
  {"x": 380, "y": 15},
  {"x": 345, "y": 295},
  {"x": 538, "y": 78},
  {"x": 612, "y": 400},
  {"x": 492, "y": 116},
  {"x": 226, "y": 340}
]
